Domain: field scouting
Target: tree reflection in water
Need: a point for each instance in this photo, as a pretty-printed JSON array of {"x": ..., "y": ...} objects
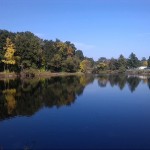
[
  {"x": 25, "y": 97},
  {"x": 122, "y": 80}
]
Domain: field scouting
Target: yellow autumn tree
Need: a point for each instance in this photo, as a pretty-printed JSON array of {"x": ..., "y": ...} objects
[
  {"x": 85, "y": 66},
  {"x": 10, "y": 99},
  {"x": 9, "y": 54},
  {"x": 144, "y": 63}
]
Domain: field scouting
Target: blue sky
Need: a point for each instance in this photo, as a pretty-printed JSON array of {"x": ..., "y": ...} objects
[{"x": 101, "y": 28}]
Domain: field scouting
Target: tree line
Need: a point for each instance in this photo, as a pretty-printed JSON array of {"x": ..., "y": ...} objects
[
  {"x": 121, "y": 64},
  {"x": 24, "y": 50}
]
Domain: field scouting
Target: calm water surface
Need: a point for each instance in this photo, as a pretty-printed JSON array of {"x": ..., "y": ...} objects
[{"x": 102, "y": 112}]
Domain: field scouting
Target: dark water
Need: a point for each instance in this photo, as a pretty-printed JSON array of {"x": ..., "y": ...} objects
[{"x": 103, "y": 112}]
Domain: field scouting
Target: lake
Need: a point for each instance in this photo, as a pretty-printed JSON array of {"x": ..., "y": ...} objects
[{"x": 80, "y": 112}]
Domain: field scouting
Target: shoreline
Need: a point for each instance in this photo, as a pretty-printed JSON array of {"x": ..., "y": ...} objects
[
  {"x": 47, "y": 74},
  {"x": 13, "y": 75}
]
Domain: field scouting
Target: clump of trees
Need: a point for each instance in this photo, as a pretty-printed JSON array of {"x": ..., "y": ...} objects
[
  {"x": 121, "y": 64},
  {"x": 23, "y": 50}
]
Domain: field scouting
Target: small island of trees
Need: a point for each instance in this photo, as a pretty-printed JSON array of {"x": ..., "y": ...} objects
[{"x": 24, "y": 51}]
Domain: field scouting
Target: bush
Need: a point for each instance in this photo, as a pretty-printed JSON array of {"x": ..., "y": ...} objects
[
  {"x": 29, "y": 73},
  {"x": 122, "y": 69}
]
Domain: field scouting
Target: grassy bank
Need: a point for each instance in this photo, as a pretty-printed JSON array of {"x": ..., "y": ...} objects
[
  {"x": 109, "y": 72},
  {"x": 47, "y": 74},
  {"x": 127, "y": 72},
  {"x": 35, "y": 74},
  {"x": 9, "y": 75},
  {"x": 138, "y": 72}
]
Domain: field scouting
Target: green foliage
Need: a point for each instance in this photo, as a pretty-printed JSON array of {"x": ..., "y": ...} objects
[
  {"x": 66, "y": 49},
  {"x": 29, "y": 73},
  {"x": 113, "y": 64},
  {"x": 71, "y": 65},
  {"x": 31, "y": 52},
  {"x": 49, "y": 50},
  {"x": 85, "y": 66},
  {"x": 148, "y": 62},
  {"x": 28, "y": 48},
  {"x": 122, "y": 69},
  {"x": 70, "y": 49},
  {"x": 91, "y": 60},
  {"x": 102, "y": 59},
  {"x": 133, "y": 61},
  {"x": 143, "y": 62},
  {"x": 122, "y": 61},
  {"x": 79, "y": 55},
  {"x": 102, "y": 66},
  {"x": 122, "y": 64},
  {"x": 56, "y": 62},
  {"x": 60, "y": 56}
]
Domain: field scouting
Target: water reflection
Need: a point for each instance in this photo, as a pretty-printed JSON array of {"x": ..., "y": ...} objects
[
  {"x": 122, "y": 80},
  {"x": 25, "y": 97},
  {"x": 148, "y": 82},
  {"x": 107, "y": 111}
]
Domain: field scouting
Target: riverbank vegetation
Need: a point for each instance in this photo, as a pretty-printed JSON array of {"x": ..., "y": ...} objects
[{"x": 25, "y": 53}]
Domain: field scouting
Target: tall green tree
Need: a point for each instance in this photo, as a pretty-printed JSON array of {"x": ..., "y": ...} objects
[
  {"x": 79, "y": 55},
  {"x": 102, "y": 59},
  {"x": 29, "y": 49},
  {"x": 148, "y": 62},
  {"x": 56, "y": 63},
  {"x": 113, "y": 64},
  {"x": 122, "y": 63},
  {"x": 133, "y": 61},
  {"x": 49, "y": 50},
  {"x": 70, "y": 49}
]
